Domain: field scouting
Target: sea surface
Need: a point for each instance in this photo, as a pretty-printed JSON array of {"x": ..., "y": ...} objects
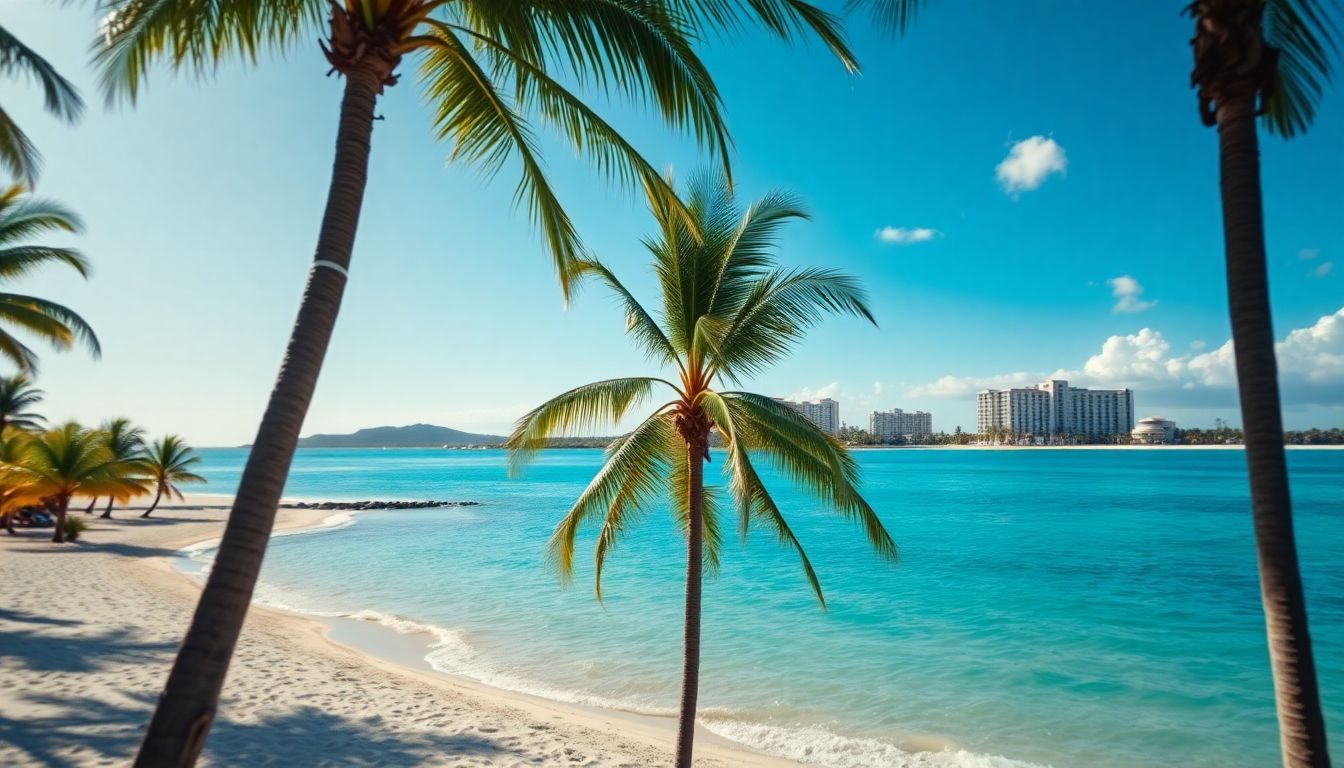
[{"x": 1050, "y": 608}]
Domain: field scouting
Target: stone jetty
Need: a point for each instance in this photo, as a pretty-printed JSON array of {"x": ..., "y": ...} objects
[{"x": 360, "y": 505}]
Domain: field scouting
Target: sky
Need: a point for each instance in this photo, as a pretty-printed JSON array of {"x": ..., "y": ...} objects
[{"x": 1021, "y": 196}]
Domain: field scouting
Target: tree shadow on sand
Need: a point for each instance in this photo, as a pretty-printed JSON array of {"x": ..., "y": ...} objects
[{"x": 81, "y": 732}]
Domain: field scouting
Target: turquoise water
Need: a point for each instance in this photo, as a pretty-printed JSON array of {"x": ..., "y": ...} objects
[{"x": 1063, "y": 608}]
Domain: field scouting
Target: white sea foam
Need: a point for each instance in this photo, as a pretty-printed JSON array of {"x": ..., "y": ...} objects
[{"x": 817, "y": 746}]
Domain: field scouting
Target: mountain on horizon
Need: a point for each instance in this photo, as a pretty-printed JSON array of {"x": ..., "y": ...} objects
[{"x": 410, "y": 436}]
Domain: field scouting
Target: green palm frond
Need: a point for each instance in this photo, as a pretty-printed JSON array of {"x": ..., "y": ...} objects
[
  {"x": 17, "y": 396},
  {"x": 59, "y": 95},
  {"x": 17, "y": 151},
  {"x": 167, "y": 462},
  {"x": 678, "y": 504},
  {"x": 788, "y": 19},
  {"x": 70, "y": 460},
  {"x": 1306, "y": 34},
  {"x": 639, "y": 324},
  {"x": 23, "y": 217},
  {"x": 53, "y": 322},
  {"x": 591, "y": 406},
  {"x": 894, "y": 16}
]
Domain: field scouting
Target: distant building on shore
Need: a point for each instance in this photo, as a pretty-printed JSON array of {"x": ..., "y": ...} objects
[
  {"x": 1054, "y": 408},
  {"x": 825, "y": 413},
  {"x": 1154, "y": 430},
  {"x": 889, "y": 425}
]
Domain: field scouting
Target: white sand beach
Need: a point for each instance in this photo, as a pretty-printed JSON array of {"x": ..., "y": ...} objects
[{"x": 88, "y": 631}]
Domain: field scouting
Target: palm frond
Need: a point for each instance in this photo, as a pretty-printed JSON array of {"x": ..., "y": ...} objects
[
  {"x": 591, "y": 406},
  {"x": 23, "y": 217},
  {"x": 18, "y": 353},
  {"x": 678, "y": 504},
  {"x": 789, "y": 19},
  {"x": 59, "y": 95},
  {"x": 17, "y": 151},
  {"x": 639, "y": 324},
  {"x": 21, "y": 260},
  {"x": 894, "y": 16},
  {"x": 1306, "y": 35},
  {"x": 54, "y": 322}
]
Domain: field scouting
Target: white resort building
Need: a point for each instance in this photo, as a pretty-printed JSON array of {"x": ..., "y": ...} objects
[
  {"x": 1154, "y": 430},
  {"x": 825, "y": 413},
  {"x": 889, "y": 425},
  {"x": 1054, "y": 408}
]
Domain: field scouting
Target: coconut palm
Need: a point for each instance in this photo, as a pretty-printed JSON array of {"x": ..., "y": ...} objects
[
  {"x": 126, "y": 443},
  {"x": 61, "y": 99},
  {"x": 17, "y": 395},
  {"x": 167, "y": 463},
  {"x": 23, "y": 217},
  {"x": 728, "y": 312},
  {"x": 1268, "y": 59},
  {"x": 65, "y": 462},
  {"x": 16, "y": 486},
  {"x": 489, "y": 69}
]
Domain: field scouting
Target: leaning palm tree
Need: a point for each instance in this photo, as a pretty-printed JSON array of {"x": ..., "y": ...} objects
[
  {"x": 728, "y": 312},
  {"x": 23, "y": 217},
  {"x": 17, "y": 396},
  {"x": 1268, "y": 59},
  {"x": 65, "y": 462},
  {"x": 61, "y": 99},
  {"x": 167, "y": 463},
  {"x": 490, "y": 69},
  {"x": 126, "y": 443}
]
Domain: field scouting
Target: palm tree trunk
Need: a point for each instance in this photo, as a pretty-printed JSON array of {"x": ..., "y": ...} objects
[
  {"x": 92, "y": 503},
  {"x": 187, "y": 705},
  {"x": 107, "y": 513},
  {"x": 690, "y": 663},
  {"x": 62, "y": 507},
  {"x": 9, "y": 523},
  {"x": 157, "y": 495},
  {"x": 1301, "y": 725}
]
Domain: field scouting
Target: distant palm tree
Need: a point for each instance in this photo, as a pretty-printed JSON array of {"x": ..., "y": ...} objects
[
  {"x": 17, "y": 152},
  {"x": 489, "y": 69},
  {"x": 728, "y": 312},
  {"x": 126, "y": 443},
  {"x": 23, "y": 217},
  {"x": 1269, "y": 59},
  {"x": 167, "y": 463},
  {"x": 17, "y": 395},
  {"x": 16, "y": 486},
  {"x": 65, "y": 462}
]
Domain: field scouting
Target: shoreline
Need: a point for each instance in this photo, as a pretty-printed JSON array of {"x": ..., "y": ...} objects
[{"x": 286, "y": 663}]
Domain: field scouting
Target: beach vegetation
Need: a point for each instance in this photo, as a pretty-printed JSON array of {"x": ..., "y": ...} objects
[
  {"x": 168, "y": 463},
  {"x": 126, "y": 443},
  {"x": 74, "y": 526},
  {"x": 491, "y": 72},
  {"x": 18, "y": 397},
  {"x": 64, "y": 462},
  {"x": 23, "y": 217},
  {"x": 728, "y": 312}
]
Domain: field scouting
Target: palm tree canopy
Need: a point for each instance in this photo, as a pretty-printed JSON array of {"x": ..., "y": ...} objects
[
  {"x": 23, "y": 217},
  {"x": 489, "y": 69},
  {"x": 17, "y": 396},
  {"x": 1304, "y": 32},
  {"x": 70, "y": 460},
  {"x": 168, "y": 462},
  {"x": 61, "y": 98},
  {"x": 728, "y": 311}
]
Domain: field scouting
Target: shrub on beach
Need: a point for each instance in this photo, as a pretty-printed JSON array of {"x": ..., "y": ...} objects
[{"x": 74, "y": 526}]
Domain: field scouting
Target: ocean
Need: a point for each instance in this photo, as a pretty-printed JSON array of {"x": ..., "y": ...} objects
[{"x": 1050, "y": 607}]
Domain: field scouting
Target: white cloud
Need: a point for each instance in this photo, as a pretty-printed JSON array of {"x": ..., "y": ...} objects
[
  {"x": 1028, "y": 163},
  {"x": 877, "y": 387},
  {"x": 1128, "y": 295},
  {"x": 906, "y": 236},
  {"x": 1198, "y": 344},
  {"x": 1307, "y": 254},
  {"x": 1311, "y": 369},
  {"x": 829, "y": 390},
  {"x": 1323, "y": 269}
]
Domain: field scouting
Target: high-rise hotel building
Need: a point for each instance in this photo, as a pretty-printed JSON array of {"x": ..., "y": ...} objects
[
  {"x": 1055, "y": 408},
  {"x": 889, "y": 425},
  {"x": 825, "y": 413}
]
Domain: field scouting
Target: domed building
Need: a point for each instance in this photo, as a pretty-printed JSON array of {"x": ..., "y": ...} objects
[{"x": 1154, "y": 430}]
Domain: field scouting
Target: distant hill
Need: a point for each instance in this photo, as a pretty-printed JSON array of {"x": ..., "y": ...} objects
[{"x": 412, "y": 436}]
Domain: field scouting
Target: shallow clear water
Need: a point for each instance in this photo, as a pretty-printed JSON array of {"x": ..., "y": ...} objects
[{"x": 1065, "y": 608}]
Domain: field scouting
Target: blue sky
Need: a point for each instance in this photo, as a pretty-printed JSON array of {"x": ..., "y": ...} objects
[{"x": 1095, "y": 250}]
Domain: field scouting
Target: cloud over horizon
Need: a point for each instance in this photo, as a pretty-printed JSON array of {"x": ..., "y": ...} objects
[
  {"x": 1311, "y": 369},
  {"x": 1028, "y": 164}
]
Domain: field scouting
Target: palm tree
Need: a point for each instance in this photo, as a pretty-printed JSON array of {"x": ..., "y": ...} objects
[
  {"x": 22, "y": 217},
  {"x": 17, "y": 152},
  {"x": 126, "y": 443},
  {"x": 68, "y": 461},
  {"x": 1267, "y": 59},
  {"x": 167, "y": 462},
  {"x": 16, "y": 486},
  {"x": 728, "y": 313},
  {"x": 17, "y": 395},
  {"x": 489, "y": 68}
]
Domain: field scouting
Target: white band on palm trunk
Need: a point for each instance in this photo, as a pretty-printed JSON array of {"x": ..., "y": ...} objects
[{"x": 332, "y": 265}]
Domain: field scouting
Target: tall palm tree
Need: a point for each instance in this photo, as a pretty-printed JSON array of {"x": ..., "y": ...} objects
[
  {"x": 126, "y": 443},
  {"x": 728, "y": 313},
  {"x": 21, "y": 217},
  {"x": 61, "y": 99},
  {"x": 1268, "y": 59},
  {"x": 489, "y": 69},
  {"x": 17, "y": 395},
  {"x": 68, "y": 461},
  {"x": 167, "y": 463}
]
